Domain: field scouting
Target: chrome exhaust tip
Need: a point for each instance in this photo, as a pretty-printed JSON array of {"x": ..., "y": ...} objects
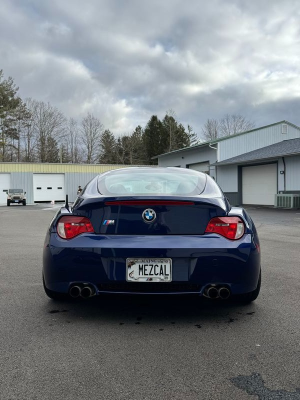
[
  {"x": 86, "y": 292},
  {"x": 224, "y": 293},
  {"x": 212, "y": 292},
  {"x": 75, "y": 291}
]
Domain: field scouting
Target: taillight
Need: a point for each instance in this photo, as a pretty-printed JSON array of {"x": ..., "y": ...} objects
[
  {"x": 70, "y": 226},
  {"x": 230, "y": 227}
]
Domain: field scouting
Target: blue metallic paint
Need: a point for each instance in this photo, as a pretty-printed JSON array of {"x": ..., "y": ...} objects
[
  {"x": 197, "y": 259},
  {"x": 202, "y": 259}
]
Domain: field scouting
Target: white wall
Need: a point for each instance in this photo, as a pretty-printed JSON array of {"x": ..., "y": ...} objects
[
  {"x": 280, "y": 176},
  {"x": 227, "y": 178},
  {"x": 184, "y": 158},
  {"x": 292, "y": 173},
  {"x": 242, "y": 144}
]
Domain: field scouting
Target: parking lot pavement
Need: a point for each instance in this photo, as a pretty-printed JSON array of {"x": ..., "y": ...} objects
[
  {"x": 149, "y": 347},
  {"x": 36, "y": 206}
]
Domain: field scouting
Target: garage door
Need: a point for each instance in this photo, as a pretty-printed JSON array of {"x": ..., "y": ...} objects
[
  {"x": 201, "y": 167},
  {"x": 47, "y": 187},
  {"x": 4, "y": 185},
  {"x": 259, "y": 184}
]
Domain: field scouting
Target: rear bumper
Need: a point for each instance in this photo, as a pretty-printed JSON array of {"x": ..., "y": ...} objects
[
  {"x": 16, "y": 201},
  {"x": 197, "y": 261}
]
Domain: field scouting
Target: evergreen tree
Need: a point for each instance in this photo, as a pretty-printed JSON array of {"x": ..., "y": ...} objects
[
  {"x": 154, "y": 139},
  {"x": 52, "y": 150},
  {"x": 108, "y": 146},
  {"x": 9, "y": 102},
  {"x": 175, "y": 135},
  {"x": 137, "y": 150},
  {"x": 123, "y": 148}
]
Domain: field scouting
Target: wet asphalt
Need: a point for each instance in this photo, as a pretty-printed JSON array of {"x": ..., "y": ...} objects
[{"x": 148, "y": 347}]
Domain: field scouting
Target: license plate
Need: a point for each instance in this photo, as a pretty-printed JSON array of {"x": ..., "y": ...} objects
[
  {"x": 16, "y": 201},
  {"x": 149, "y": 270}
]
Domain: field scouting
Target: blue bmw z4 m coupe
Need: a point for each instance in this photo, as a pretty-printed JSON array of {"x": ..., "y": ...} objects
[{"x": 152, "y": 231}]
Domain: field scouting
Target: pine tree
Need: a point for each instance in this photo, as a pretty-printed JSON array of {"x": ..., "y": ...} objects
[
  {"x": 9, "y": 102},
  {"x": 108, "y": 146},
  {"x": 154, "y": 139}
]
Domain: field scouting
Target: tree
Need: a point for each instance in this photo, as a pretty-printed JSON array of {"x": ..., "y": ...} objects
[
  {"x": 154, "y": 140},
  {"x": 175, "y": 134},
  {"x": 91, "y": 129},
  {"x": 52, "y": 150},
  {"x": 22, "y": 117},
  {"x": 9, "y": 102},
  {"x": 137, "y": 154},
  {"x": 49, "y": 129},
  {"x": 71, "y": 147},
  {"x": 235, "y": 123},
  {"x": 211, "y": 129},
  {"x": 228, "y": 125},
  {"x": 28, "y": 135},
  {"x": 108, "y": 148},
  {"x": 123, "y": 148}
]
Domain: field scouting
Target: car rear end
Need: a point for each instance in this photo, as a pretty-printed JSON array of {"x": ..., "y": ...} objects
[{"x": 189, "y": 241}]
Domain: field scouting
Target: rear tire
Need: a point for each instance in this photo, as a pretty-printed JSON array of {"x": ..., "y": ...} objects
[
  {"x": 247, "y": 298},
  {"x": 8, "y": 203},
  {"x": 54, "y": 295}
]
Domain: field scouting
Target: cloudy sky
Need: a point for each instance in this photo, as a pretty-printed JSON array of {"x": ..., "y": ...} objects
[{"x": 125, "y": 60}]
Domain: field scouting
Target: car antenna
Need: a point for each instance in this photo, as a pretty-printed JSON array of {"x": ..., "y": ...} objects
[{"x": 67, "y": 203}]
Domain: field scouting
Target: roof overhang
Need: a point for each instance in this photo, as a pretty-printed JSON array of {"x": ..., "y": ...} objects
[
  {"x": 191, "y": 148},
  {"x": 254, "y": 161}
]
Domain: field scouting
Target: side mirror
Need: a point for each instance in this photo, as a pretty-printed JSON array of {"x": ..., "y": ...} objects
[
  {"x": 24, "y": 192},
  {"x": 5, "y": 191}
]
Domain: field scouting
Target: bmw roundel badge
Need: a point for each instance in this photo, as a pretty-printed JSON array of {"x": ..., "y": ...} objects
[{"x": 149, "y": 215}]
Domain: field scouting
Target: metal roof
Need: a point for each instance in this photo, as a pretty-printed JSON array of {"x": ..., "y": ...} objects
[
  {"x": 281, "y": 149},
  {"x": 211, "y": 142}
]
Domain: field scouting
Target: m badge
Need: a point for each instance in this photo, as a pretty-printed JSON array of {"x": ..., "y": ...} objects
[{"x": 109, "y": 222}]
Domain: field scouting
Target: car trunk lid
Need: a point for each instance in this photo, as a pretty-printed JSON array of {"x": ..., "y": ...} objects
[{"x": 152, "y": 216}]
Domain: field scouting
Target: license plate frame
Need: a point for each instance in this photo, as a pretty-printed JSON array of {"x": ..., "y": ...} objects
[{"x": 149, "y": 270}]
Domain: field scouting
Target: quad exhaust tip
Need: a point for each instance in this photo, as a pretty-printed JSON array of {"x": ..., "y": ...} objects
[
  {"x": 75, "y": 291},
  {"x": 214, "y": 292},
  {"x": 224, "y": 293},
  {"x": 85, "y": 291}
]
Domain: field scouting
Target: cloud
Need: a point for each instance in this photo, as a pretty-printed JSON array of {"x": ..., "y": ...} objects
[{"x": 124, "y": 61}]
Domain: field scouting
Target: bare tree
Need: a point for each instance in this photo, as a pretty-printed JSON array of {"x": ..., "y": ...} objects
[
  {"x": 235, "y": 123},
  {"x": 28, "y": 136},
  {"x": 228, "y": 125},
  {"x": 23, "y": 117},
  {"x": 211, "y": 129},
  {"x": 91, "y": 130},
  {"x": 73, "y": 142},
  {"x": 49, "y": 129}
]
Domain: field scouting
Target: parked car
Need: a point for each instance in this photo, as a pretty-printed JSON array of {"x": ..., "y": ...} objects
[
  {"x": 152, "y": 231},
  {"x": 16, "y": 196}
]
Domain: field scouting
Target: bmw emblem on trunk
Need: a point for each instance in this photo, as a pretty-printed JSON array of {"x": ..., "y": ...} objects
[{"x": 149, "y": 215}]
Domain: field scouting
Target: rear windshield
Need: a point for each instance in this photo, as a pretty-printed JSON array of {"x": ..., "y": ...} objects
[
  {"x": 152, "y": 182},
  {"x": 15, "y": 191}
]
